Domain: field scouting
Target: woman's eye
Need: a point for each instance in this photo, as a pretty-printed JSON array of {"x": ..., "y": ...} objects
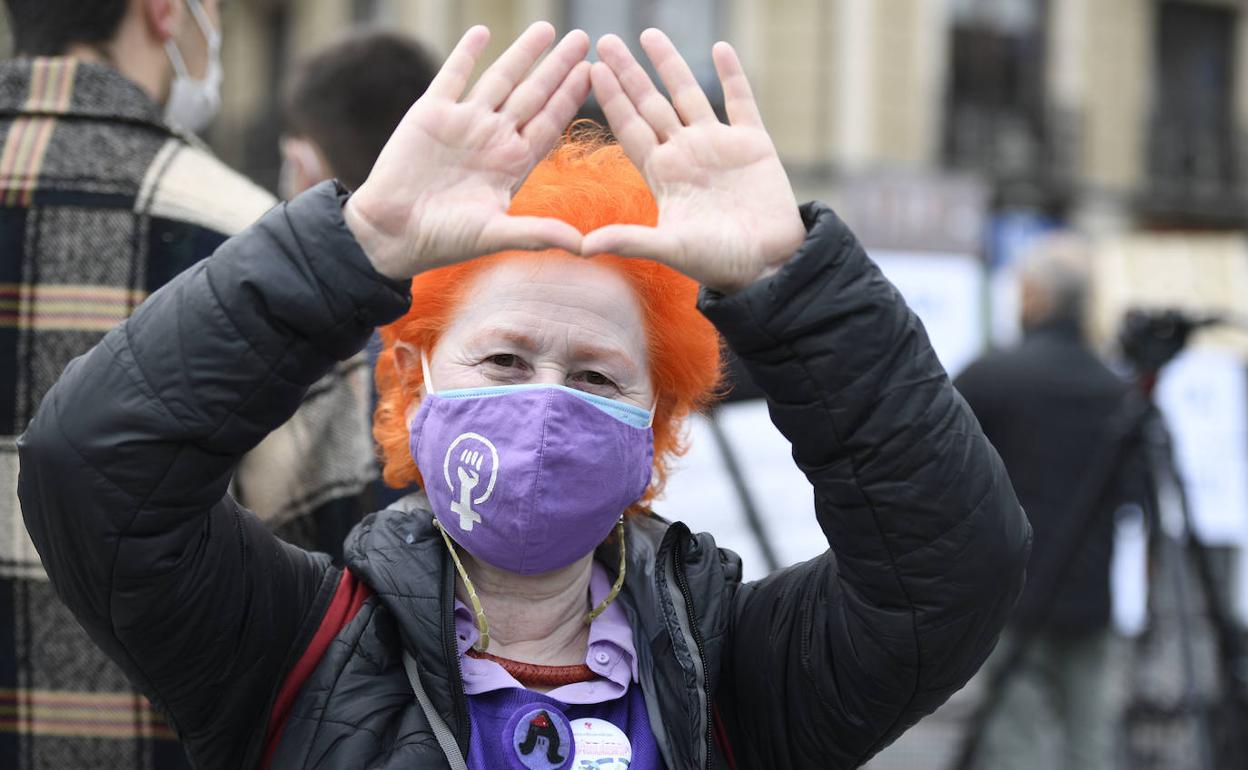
[
  {"x": 597, "y": 379},
  {"x": 505, "y": 360}
]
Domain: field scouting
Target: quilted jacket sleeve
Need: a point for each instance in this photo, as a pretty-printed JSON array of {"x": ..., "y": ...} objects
[
  {"x": 124, "y": 470},
  {"x": 830, "y": 660}
]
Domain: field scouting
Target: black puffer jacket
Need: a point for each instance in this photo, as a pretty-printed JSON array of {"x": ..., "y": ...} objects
[{"x": 123, "y": 484}]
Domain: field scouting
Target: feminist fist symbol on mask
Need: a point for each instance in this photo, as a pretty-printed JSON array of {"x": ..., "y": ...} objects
[
  {"x": 469, "y": 477},
  {"x": 470, "y": 461}
]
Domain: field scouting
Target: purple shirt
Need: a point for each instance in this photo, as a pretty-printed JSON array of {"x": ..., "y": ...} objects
[{"x": 610, "y": 654}]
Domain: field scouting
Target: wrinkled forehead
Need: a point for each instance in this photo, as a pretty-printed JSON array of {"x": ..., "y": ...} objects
[{"x": 558, "y": 299}]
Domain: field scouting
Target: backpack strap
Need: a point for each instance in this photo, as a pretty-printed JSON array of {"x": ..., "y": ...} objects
[{"x": 441, "y": 731}]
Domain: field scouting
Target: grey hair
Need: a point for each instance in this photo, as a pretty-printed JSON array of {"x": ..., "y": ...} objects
[{"x": 1059, "y": 267}]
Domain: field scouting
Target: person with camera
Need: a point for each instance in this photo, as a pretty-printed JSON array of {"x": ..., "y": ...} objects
[{"x": 1049, "y": 406}]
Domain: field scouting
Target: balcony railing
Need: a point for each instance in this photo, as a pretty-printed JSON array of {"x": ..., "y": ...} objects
[
  {"x": 1197, "y": 172},
  {"x": 1029, "y": 158}
]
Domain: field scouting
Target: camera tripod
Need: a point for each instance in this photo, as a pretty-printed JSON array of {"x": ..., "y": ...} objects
[{"x": 1150, "y": 341}]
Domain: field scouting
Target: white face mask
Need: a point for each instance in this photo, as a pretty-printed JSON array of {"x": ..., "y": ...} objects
[{"x": 193, "y": 102}]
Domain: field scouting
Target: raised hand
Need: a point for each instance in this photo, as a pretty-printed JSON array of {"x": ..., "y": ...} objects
[
  {"x": 439, "y": 191},
  {"x": 727, "y": 215}
]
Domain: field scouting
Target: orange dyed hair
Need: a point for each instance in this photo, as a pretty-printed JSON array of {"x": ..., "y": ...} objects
[{"x": 587, "y": 183}]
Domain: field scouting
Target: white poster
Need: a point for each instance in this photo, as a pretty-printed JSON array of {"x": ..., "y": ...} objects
[
  {"x": 702, "y": 495},
  {"x": 1202, "y": 395},
  {"x": 945, "y": 291}
]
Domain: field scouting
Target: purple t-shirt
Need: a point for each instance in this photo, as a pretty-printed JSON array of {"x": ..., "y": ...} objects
[{"x": 603, "y": 721}]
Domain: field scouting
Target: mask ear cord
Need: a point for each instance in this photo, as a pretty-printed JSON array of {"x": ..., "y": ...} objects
[
  {"x": 211, "y": 35},
  {"x": 175, "y": 58},
  {"x": 483, "y": 626},
  {"x": 654, "y": 407},
  {"x": 424, "y": 373},
  {"x": 619, "y": 580}
]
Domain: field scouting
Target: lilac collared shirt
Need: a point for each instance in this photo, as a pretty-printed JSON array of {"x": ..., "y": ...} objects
[{"x": 610, "y": 655}]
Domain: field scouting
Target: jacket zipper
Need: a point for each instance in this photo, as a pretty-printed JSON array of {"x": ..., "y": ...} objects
[
  {"x": 449, "y": 646},
  {"x": 683, "y": 581}
]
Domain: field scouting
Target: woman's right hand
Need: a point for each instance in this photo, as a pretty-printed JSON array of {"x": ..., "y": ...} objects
[{"x": 439, "y": 191}]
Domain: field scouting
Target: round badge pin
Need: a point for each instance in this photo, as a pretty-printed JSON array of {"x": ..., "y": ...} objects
[
  {"x": 541, "y": 738},
  {"x": 601, "y": 745}
]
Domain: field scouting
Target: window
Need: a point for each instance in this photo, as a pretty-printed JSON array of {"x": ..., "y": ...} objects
[
  {"x": 693, "y": 25},
  {"x": 1193, "y": 147},
  {"x": 997, "y": 120}
]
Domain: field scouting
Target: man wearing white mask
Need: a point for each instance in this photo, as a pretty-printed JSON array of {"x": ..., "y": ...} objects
[
  {"x": 194, "y": 99},
  {"x": 105, "y": 195}
]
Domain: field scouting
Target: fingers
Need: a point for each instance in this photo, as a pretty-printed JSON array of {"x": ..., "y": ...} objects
[
  {"x": 544, "y": 130},
  {"x": 504, "y": 233},
  {"x": 451, "y": 80},
  {"x": 739, "y": 100},
  {"x": 633, "y": 132},
  {"x": 638, "y": 87},
  {"x": 531, "y": 95},
  {"x": 502, "y": 77},
  {"x": 632, "y": 241},
  {"x": 687, "y": 95}
]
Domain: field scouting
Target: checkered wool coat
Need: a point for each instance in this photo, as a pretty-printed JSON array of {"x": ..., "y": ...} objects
[{"x": 101, "y": 203}]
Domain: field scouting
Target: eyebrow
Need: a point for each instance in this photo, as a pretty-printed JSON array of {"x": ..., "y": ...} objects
[
  {"x": 610, "y": 356},
  {"x": 509, "y": 336}
]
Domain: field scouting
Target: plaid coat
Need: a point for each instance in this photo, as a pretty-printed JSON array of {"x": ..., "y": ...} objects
[{"x": 101, "y": 203}]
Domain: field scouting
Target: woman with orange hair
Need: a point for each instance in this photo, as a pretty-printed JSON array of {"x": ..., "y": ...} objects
[{"x": 551, "y": 311}]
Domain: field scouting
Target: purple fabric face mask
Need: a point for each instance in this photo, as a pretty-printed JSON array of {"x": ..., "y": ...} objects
[{"x": 530, "y": 478}]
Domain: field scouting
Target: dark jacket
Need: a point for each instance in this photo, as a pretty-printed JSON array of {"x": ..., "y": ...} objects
[
  {"x": 819, "y": 665},
  {"x": 1048, "y": 406}
]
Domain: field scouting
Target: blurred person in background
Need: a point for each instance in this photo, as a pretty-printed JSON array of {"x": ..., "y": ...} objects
[
  {"x": 1047, "y": 406},
  {"x": 106, "y": 196},
  {"x": 338, "y": 109},
  {"x": 341, "y": 105}
]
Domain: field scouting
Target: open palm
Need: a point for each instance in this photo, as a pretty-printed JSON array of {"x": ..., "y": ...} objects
[
  {"x": 727, "y": 214},
  {"x": 439, "y": 191}
]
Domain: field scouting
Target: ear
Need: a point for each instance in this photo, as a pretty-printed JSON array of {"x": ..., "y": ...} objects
[
  {"x": 407, "y": 361},
  {"x": 1034, "y": 302},
  {"x": 305, "y": 162},
  {"x": 161, "y": 17}
]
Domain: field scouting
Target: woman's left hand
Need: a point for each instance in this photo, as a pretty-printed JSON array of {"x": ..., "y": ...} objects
[{"x": 727, "y": 214}]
